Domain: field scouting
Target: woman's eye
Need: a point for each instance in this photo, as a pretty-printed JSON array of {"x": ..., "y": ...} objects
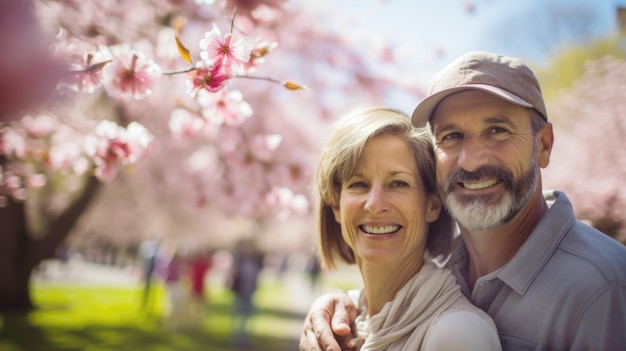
[
  {"x": 399, "y": 183},
  {"x": 356, "y": 185}
]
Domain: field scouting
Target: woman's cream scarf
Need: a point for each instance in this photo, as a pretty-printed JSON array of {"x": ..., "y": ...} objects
[{"x": 404, "y": 321}]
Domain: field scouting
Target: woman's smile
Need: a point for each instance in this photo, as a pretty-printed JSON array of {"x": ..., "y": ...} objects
[{"x": 386, "y": 229}]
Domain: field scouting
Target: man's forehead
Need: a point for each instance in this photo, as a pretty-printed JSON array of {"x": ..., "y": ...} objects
[{"x": 469, "y": 115}]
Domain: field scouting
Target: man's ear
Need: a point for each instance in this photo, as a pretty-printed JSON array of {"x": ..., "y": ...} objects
[
  {"x": 546, "y": 141},
  {"x": 433, "y": 208}
]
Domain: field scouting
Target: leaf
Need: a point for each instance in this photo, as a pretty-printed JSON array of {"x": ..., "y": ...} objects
[
  {"x": 183, "y": 50},
  {"x": 96, "y": 67},
  {"x": 291, "y": 85}
]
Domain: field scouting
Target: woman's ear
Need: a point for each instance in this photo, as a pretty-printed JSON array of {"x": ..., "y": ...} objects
[{"x": 336, "y": 213}]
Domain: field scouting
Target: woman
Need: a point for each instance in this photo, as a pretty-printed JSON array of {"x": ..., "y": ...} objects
[{"x": 379, "y": 208}]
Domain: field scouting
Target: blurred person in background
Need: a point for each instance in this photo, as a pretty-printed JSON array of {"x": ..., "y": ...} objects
[
  {"x": 247, "y": 264},
  {"x": 314, "y": 270},
  {"x": 177, "y": 294},
  {"x": 148, "y": 255},
  {"x": 198, "y": 266}
]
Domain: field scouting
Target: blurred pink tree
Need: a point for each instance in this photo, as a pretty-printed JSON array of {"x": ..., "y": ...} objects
[
  {"x": 197, "y": 109},
  {"x": 588, "y": 160}
]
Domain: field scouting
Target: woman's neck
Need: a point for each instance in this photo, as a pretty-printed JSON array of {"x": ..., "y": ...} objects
[{"x": 382, "y": 282}]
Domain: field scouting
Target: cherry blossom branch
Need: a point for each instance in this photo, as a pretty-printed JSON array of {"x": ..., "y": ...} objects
[
  {"x": 180, "y": 71},
  {"x": 287, "y": 84},
  {"x": 269, "y": 79},
  {"x": 232, "y": 21}
]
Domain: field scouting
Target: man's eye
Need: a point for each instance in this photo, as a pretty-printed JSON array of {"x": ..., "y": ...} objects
[
  {"x": 497, "y": 130},
  {"x": 451, "y": 136}
]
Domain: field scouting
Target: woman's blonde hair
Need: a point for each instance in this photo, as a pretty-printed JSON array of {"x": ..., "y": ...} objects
[{"x": 340, "y": 158}]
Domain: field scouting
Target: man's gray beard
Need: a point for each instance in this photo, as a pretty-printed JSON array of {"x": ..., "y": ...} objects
[{"x": 477, "y": 214}]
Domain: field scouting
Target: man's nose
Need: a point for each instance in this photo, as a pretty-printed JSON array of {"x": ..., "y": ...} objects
[
  {"x": 377, "y": 201},
  {"x": 473, "y": 155}
]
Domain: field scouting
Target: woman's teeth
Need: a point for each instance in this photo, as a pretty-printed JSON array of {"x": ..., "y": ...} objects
[{"x": 380, "y": 230}]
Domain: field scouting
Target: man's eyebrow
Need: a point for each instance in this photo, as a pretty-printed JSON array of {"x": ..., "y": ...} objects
[{"x": 499, "y": 119}]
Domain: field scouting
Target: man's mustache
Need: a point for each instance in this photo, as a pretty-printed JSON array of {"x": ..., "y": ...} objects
[{"x": 459, "y": 175}]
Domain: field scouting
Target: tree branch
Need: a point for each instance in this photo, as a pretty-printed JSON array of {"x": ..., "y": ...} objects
[{"x": 63, "y": 224}]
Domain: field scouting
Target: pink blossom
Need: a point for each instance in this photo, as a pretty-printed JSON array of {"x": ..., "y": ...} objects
[
  {"x": 231, "y": 141},
  {"x": 35, "y": 181},
  {"x": 12, "y": 182},
  {"x": 261, "y": 48},
  {"x": 40, "y": 126},
  {"x": 225, "y": 107},
  {"x": 216, "y": 48},
  {"x": 286, "y": 202},
  {"x": 131, "y": 75},
  {"x": 263, "y": 146},
  {"x": 255, "y": 9},
  {"x": 288, "y": 175},
  {"x": 86, "y": 72},
  {"x": 12, "y": 143},
  {"x": 112, "y": 145},
  {"x": 138, "y": 138},
  {"x": 210, "y": 76},
  {"x": 65, "y": 150},
  {"x": 64, "y": 155},
  {"x": 184, "y": 123}
]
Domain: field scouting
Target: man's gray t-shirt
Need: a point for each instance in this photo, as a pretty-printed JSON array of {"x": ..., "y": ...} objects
[{"x": 565, "y": 289}]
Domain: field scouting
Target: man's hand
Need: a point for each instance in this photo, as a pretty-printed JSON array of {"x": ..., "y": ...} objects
[{"x": 336, "y": 309}]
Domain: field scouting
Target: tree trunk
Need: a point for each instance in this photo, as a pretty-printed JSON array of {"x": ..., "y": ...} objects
[
  {"x": 20, "y": 252},
  {"x": 14, "y": 270}
]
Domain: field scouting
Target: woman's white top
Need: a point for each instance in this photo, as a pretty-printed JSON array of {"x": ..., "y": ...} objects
[{"x": 428, "y": 313}]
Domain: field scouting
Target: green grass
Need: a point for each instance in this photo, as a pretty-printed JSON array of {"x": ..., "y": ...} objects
[{"x": 104, "y": 318}]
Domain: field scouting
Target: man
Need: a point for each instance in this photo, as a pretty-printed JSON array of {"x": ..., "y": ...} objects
[{"x": 547, "y": 280}]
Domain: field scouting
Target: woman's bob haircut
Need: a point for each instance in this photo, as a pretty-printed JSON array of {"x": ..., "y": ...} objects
[{"x": 340, "y": 158}]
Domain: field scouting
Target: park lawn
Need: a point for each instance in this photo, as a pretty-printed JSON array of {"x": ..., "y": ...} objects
[{"x": 80, "y": 317}]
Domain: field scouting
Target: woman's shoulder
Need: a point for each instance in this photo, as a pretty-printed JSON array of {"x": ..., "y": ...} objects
[{"x": 463, "y": 326}]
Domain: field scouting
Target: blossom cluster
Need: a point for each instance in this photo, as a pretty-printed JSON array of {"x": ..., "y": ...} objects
[
  {"x": 128, "y": 73},
  {"x": 111, "y": 145},
  {"x": 37, "y": 146}
]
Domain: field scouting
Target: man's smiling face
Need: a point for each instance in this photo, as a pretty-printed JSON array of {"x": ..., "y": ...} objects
[{"x": 487, "y": 164}]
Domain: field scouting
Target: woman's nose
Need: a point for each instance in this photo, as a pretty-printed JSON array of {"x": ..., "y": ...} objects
[{"x": 377, "y": 201}]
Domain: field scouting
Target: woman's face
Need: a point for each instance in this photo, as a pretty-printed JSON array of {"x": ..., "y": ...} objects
[{"x": 383, "y": 209}]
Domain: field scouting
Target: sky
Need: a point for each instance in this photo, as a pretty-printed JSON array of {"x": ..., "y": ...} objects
[
  {"x": 427, "y": 34},
  {"x": 493, "y": 24}
]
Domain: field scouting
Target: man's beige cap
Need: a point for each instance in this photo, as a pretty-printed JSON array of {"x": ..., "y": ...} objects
[{"x": 506, "y": 77}]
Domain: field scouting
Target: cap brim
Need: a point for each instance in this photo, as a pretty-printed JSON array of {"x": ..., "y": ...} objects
[{"x": 425, "y": 108}]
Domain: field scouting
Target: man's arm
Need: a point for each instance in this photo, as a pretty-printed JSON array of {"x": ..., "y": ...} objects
[{"x": 336, "y": 309}]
